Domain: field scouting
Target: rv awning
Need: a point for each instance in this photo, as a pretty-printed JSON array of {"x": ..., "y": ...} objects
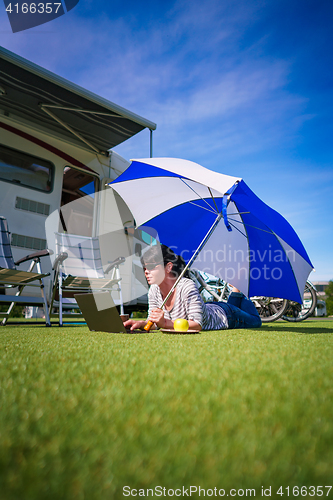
[{"x": 58, "y": 105}]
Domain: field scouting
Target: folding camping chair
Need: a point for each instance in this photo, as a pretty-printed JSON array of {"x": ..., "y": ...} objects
[
  {"x": 10, "y": 277},
  {"x": 78, "y": 269}
]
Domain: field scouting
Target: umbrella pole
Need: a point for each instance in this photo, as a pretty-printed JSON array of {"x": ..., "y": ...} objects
[{"x": 194, "y": 256}]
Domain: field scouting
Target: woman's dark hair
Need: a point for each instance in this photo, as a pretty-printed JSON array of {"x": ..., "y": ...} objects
[{"x": 157, "y": 252}]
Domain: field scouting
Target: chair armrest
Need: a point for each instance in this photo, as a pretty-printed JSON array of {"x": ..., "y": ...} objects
[
  {"x": 114, "y": 263},
  {"x": 61, "y": 257},
  {"x": 35, "y": 255}
]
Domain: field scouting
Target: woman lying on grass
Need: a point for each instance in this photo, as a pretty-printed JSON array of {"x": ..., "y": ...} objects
[{"x": 162, "y": 268}]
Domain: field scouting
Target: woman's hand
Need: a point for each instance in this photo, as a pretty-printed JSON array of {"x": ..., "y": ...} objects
[
  {"x": 157, "y": 317},
  {"x": 133, "y": 324}
]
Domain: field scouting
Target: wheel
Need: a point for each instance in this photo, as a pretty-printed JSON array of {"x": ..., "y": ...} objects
[
  {"x": 270, "y": 308},
  {"x": 299, "y": 312},
  {"x": 213, "y": 289}
]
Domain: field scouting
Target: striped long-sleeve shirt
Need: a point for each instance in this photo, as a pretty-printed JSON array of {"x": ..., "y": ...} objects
[{"x": 189, "y": 305}]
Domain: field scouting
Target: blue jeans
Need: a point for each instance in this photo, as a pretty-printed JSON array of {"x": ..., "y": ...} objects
[{"x": 240, "y": 311}]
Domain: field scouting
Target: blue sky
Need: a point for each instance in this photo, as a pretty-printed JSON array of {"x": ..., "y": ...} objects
[{"x": 241, "y": 87}]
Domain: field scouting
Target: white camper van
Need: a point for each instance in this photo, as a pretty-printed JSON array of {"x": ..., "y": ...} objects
[{"x": 56, "y": 162}]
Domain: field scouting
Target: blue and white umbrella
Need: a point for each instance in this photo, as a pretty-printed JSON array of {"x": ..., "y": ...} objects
[{"x": 217, "y": 224}]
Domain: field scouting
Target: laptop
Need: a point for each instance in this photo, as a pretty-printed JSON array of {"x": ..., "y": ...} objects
[{"x": 100, "y": 313}]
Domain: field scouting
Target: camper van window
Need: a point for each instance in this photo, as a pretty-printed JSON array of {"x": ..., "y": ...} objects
[{"x": 25, "y": 170}]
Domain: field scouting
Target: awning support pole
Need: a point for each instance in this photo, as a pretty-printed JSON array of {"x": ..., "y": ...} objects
[
  {"x": 44, "y": 108},
  {"x": 151, "y": 143}
]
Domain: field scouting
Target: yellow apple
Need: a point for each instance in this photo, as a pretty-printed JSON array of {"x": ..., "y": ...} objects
[{"x": 181, "y": 325}]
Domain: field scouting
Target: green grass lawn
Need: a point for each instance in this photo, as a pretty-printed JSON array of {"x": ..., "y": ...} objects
[{"x": 84, "y": 414}]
